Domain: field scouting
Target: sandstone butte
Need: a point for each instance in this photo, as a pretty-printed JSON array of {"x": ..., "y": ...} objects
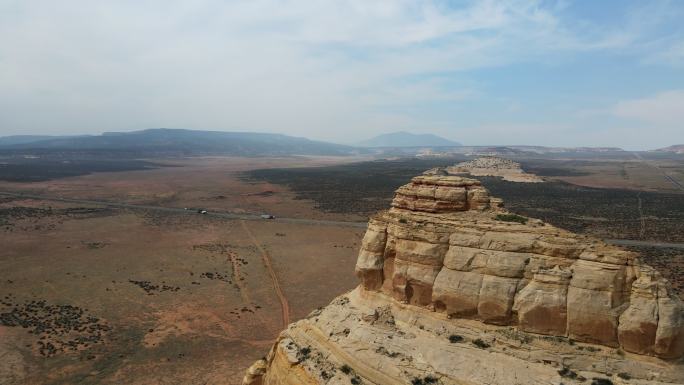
[{"x": 451, "y": 295}]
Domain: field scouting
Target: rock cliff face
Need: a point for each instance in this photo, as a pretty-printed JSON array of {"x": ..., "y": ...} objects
[{"x": 454, "y": 290}]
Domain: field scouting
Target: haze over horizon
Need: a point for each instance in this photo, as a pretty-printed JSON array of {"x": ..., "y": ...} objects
[{"x": 552, "y": 73}]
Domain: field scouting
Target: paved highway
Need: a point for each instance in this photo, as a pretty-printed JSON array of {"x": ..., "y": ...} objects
[
  {"x": 248, "y": 217},
  {"x": 631, "y": 242},
  {"x": 255, "y": 217}
]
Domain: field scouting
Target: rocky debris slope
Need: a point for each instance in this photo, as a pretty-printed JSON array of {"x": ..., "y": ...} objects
[
  {"x": 494, "y": 166},
  {"x": 454, "y": 290}
]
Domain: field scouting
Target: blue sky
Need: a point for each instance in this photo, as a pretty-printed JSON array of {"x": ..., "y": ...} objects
[{"x": 559, "y": 73}]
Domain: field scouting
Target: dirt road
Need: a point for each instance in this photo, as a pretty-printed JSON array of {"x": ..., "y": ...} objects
[
  {"x": 266, "y": 258},
  {"x": 632, "y": 242},
  {"x": 660, "y": 170},
  {"x": 642, "y": 220}
]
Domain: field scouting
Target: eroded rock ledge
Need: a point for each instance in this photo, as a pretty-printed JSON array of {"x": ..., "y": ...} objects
[{"x": 455, "y": 290}]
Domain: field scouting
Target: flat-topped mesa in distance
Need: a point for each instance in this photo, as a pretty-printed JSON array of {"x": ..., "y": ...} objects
[
  {"x": 450, "y": 281},
  {"x": 494, "y": 166}
]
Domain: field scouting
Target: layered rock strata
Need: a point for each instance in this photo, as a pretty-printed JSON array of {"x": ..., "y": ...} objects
[
  {"x": 494, "y": 166},
  {"x": 457, "y": 291}
]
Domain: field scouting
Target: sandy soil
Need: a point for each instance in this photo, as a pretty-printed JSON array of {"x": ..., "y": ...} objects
[
  {"x": 177, "y": 299},
  {"x": 213, "y": 183}
]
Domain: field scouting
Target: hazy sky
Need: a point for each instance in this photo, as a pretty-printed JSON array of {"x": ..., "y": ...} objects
[{"x": 575, "y": 73}]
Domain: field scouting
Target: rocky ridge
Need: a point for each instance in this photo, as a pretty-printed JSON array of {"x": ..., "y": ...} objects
[
  {"x": 494, "y": 166},
  {"x": 455, "y": 290},
  {"x": 677, "y": 149}
]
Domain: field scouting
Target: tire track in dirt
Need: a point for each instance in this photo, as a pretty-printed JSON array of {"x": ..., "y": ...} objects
[
  {"x": 660, "y": 170},
  {"x": 266, "y": 258},
  {"x": 642, "y": 230}
]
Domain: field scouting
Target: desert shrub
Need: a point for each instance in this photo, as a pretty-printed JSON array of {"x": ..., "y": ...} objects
[
  {"x": 480, "y": 344},
  {"x": 386, "y": 352},
  {"x": 567, "y": 373},
  {"x": 511, "y": 218},
  {"x": 424, "y": 381},
  {"x": 624, "y": 376},
  {"x": 402, "y": 220},
  {"x": 304, "y": 353},
  {"x": 601, "y": 381},
  {"x": 345, "y": 369},
  {"x": 454, "y": 338}
]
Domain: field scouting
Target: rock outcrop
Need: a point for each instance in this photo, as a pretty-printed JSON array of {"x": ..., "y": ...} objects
[
  {"x": 494, "y": 166},
  {"x": 455, "y": 290}
]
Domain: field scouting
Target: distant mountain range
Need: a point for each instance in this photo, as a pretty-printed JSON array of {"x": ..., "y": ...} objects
[
  {"x": 160, "y": 141},
  {"x": 23, "y": 139},
  {"x": 182, "y": 142},
  {"x": 407, "y": 139},
  {"x": 677, "y": 148}
]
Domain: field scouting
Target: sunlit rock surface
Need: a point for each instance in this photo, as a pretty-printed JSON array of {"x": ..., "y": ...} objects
[{"x": 456, "y": 290}]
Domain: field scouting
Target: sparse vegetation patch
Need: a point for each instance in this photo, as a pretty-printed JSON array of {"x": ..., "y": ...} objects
[
  {"x": 150, "y": 288},
  {"x": 511, "y": 218},
  {"x": 59, "y": 328},
  {"x": 601, "y": 381}
]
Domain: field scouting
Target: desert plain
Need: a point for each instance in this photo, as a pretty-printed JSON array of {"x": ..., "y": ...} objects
[{"x": 133, "y": 293}]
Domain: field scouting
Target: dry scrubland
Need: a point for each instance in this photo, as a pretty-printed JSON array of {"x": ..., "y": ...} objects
[
  {"x": 648, "y": 208},
  {"x": 638, "y": 209},
  {"x": 94, "y": 295}
]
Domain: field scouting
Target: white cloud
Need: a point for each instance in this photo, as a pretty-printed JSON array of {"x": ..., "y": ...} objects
[
  {"x": 324, "y": 69},
  {"x": 663, "y": 109}
]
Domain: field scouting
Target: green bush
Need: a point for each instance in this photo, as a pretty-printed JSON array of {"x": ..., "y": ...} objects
[
  {"x": 511, "y": 218},
  {"x": 567, "y": 373}
]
